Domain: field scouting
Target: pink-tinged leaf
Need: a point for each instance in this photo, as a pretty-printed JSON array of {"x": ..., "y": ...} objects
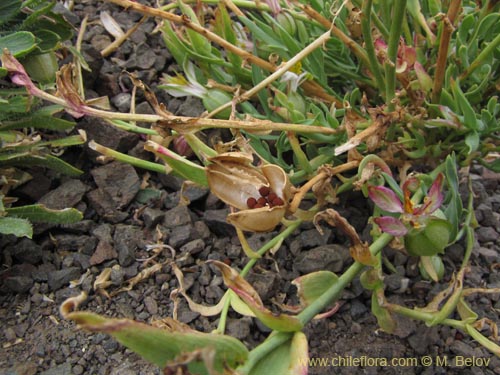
[
  {"x": 311, "y": 286},
  {"x": 299, "y": 355},
  {"x": 391, "y": 225},
  {"x": 282, "y": 322},
  {"x": 17, "y": 72},
  {"x": 424, "y": 79},
  {"x": 435, "y": 195},
  {"x": 385, "y": 198},
  {"x": 164, "y": 343}
]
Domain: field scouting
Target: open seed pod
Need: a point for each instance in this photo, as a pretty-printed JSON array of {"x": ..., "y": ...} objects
[{"x": 261, "y": 194}]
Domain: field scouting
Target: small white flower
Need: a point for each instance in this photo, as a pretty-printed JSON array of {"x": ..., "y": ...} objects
[{"x": 179, "y": 86}]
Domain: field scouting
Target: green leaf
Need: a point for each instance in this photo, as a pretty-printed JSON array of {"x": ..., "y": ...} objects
[
  {"x": 166, "y": 344},
  {"x": 9, "y": 9},
  {"x": 19, "y": 43},
  {"x": 430, "y": 240},
  {"x": 16, "y": 226},
  {"x": 472, "y": 141},
  {"x": 470, "y": 120},
  {"x": 468, "y": 315},
  {"x": 289, "y": 358},
  {"x": 47, "y": 161},
  {"x": 40, "y": 214},
  {"x": 384, "y": 317},
  {"x": 313, "y": 285},
  {"x": 494, "y": 165}
]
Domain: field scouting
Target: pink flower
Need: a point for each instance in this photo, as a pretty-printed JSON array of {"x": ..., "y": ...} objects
[
  {"x": 406, "y": 58},
  {"x": 411, "y": 216}
]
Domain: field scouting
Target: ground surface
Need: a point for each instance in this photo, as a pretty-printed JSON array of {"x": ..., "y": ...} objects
[{"x": 128, "y": 211}]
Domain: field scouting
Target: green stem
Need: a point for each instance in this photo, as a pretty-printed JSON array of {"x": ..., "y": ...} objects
[
  {"x": 280, "y": 237},
  {"x": 331, "y": 295},
  {"x": 392, "y": 52},
  {"x": 366, "y": 25}
]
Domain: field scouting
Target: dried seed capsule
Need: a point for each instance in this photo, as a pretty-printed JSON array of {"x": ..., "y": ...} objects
[
  {"x": 264, "y": 191},
  {"x": 251, "y": 202}
]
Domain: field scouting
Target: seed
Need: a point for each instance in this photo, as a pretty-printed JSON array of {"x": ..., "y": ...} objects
[
  {"x": 262, "y": 201},
  {"x": 271, "y": 197},
  {"x": 264, "y": 191},
  {"x": 258, "y": 205},
  {"x": 277, "y": 201},
  {"x": 251, "y": 202}
]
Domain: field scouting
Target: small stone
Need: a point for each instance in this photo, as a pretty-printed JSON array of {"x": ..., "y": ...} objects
[
  {"x": 62, "y": 369},
  {"x": 58, "y": 279},
  {"x": 66, "y": 195},
  {"x": 312, "y": 238},
  {"x": 152, "y": 216},
  {"x": 18, "y": 284},
  {"x": 180, "y": 235},
  {"x": 194, "y": 193},
  {"x": 264, "y": 283},
  {"x": 177, "y": 216},
  {"x": 491, "y": 256},
  {"x": 193, "y": 247},
  {"x": 202, "y": 229},
  {"x": 119, "y": 180},
  {"x": 486, "y": 234},
  {"x": 108, "y": 136},
  {"x": 358, "y": 309},
  {"x": 105, "y": 207},
  {"x": 122, "y": 101},
  {"x": 104, "y": 232},
  {"x": 75, "y": 243},
  {"x": 327, "y": 257},
  {"x": 151, "y": 305},
  {"x": 78, "y": 370},
  {"x": 217, "y": 223},
  {"x": 27, "y": 251},
  {"x": 104, "y": 251},
  {"x": 239, "y": 328},
  {"x": 127, "y": 239},
  {"x": 41, "y": 274},
  {"x": 10, "y": 334}
]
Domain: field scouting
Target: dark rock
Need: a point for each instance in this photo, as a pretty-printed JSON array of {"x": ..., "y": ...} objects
[
  {"x": 122, "y": 101},
  {"x": 152, "y": 216},
  {"x": 103, "y": 204},
  {"x": 358, "y": 309},
  {"x": 66, "y": 195},
  {"x": 143, "y": 58},
  {"x": 71, "y": 242},
  {"x": 312, "y": 238},
  {"x": 18, "y": 284},
  {"x": 127, "y": 239},
  {"x": 27, "y": 251},
  {"x": 239, "y": 328},
  {"x": 119, "y": 180},
  {"x": 177, "y": 216},
  {"x": 396, "y": 283},
  {"x": 104, "y": 232},
  {"x": 151, "y": 305},
  {"x": 80, "y": 227},
  {"x": 35, "y": 188},
  {"x": 104, "y": 251},
  {"x": 109, "y": 136},
  {"x": 62, "y": 369},
  {"x": 191, "y": 107},
  {"x": 490, "y": 255},
  {"x": 327, "y": 257},
  {"x": 216, "y": 222},
  {"x": 202, "y": 230},
  {"x": 58, "y": 279},
  {"x": 194, "y": 192},
  {"x": 455, "y": 252},
  {"x": 264, "y": 283},
  {"x": 43, "y": 271},
  {"x": 171, "y": 182},
  {"x": 181, "y": 235},
  {"x": 193, "y": 247},
  {"x": 486, "y": 234}
]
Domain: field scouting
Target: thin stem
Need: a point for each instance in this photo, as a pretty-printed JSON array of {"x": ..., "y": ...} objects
[
  {"x": 392, "y": 52},
  {"x": 119, "y": 41},
  {"x": 331, "y": 295},
  {"x": 366, "y": 26},
  {"x": 312, "y": 88},
  {"x": 444, "y": 44},
  {"x": 278, "y": 73}
]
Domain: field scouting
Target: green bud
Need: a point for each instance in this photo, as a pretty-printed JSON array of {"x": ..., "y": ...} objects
[
  {"x": 432, "y": 265},
  {"x": 430, "y": 240}
]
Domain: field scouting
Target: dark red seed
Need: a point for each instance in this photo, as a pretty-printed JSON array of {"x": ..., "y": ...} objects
[
  {"x": 271, "y": 197},
  {"x": 258, "y": 205},
  {"x": 277, "y": 201},
  {"x": 251, "y": 202},
  {"x": 264, "y": 191},
  {"x": 227, "y": 261},
  {"x": 262, "y": 201}
]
